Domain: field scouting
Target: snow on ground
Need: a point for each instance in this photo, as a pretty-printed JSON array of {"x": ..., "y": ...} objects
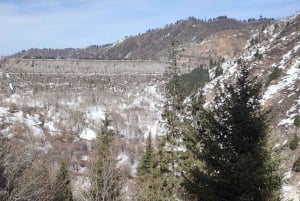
[
  {"x": 122, "y": 158},
  {"x": 141, "y": 111},
  {"x": 118, "y": 42},
  {"x": 290, "y": 192},
  {"x": 14, "y": 98},
  {"x": 229, "y": 70},
  {"x": 3, "y": 111},
  {"x": 286, "y": 57},
  {"x": 154, "y": 129},
  {"x": 95, "y": 113},
  {"x": 87, "y": 134},
  {"x": 51, "y": 127},
  {"x": 82, "y": 170},
  {"x": 285, "y": 83},
  {"x": 291, "y": 114},
  {"x": 287, "y": 122},
  {"x": 33, "y": 122},
  {"x": 84, "y": 157},
  {"x": 73, "y": 103},
  {"x": 153, "y": 92}
]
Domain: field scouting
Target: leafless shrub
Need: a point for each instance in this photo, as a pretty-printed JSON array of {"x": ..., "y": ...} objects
[
  {"x": 25, "y": 176},
  {"x": 126, "y": 171},
  {"x": 12, "y": 107}
]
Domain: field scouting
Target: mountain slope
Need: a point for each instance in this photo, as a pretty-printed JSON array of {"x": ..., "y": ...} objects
[
  {"x": 153, "y": 44},
  {"x": 273, "y": 55}
]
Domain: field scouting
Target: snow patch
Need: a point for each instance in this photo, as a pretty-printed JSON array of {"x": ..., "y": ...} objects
[
  {"x": 286, "y": 82},
  {"x": 122, "y": 158},
  {"x": 87, "y": 134},
  {"x": 95, "y": 113},
  {"x": 3, "y": 111},
  {"x": 84, "y": 157},
  {"x": 291, "y": 114},
  {"x": 50, "y": 126}
]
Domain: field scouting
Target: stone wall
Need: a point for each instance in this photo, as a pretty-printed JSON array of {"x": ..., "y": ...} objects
[{"x": 83, "y": 66}]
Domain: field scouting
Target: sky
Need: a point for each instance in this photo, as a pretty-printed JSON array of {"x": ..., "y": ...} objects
[{"x": 26, "y": 24}]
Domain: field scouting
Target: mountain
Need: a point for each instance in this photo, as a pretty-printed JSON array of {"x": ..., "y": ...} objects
[
  {"x": 59, "y": 105},
  {"x": 153, "y": 44}
]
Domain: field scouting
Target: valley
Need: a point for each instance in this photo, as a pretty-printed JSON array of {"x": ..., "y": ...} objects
[{"x": 59, "y": 105}]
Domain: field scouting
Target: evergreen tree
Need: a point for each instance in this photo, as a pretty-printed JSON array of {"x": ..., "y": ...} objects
[
  {"x": 105, "y": 177},
  {"x": 147, "y": 161},
  {"x": 190, "y": 129},
  {"x": 63, "y": 190},
  {"x": 168, "y": 151},
  {"x": 149, "y": 186},
  {"x": 232, "y": 141}
]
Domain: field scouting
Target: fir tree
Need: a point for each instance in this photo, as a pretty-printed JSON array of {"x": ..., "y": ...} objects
[
  {"x": 232, "y": 141},
  {"x": 147, "y": 162},
  {"x": 105, "y": 177},
  {"x": 191, "y": 140},
  {"x": 149, "y": 186},
  {"x": 63, "y": 184},
  {"x": 169, "y": 155}
]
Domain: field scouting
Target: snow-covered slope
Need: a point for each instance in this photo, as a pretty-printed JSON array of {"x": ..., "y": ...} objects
[
  {"x": 276, "y": 47},
  {"x": 65, "y": 120}
]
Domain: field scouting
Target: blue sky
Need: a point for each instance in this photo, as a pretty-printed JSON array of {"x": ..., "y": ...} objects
[{"x": 79, "y": 23}]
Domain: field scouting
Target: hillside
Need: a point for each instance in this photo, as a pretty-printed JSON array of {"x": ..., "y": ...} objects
[
  {"x": 59, "y": 106},
  {"x": 153, "y": 44},
  {"x": 273, "y": 55}
]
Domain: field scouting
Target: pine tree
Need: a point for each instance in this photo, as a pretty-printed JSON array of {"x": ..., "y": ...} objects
[
  {"x": 63, "y": 190},
  {"x": 105, "y": 177},
  {"x": 190, "y": 128},
  {"x": 149, "y": 186},
  {"x": 147, "y": 161},
  {"x": 169, "y": 154},
  {"x": 232, "y": 141}
]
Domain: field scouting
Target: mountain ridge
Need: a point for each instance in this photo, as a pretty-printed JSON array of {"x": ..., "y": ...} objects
[{"x": 150, "y": 45}]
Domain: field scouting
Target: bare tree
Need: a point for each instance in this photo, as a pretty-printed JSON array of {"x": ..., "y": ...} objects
[
  {"x": 105, "y": 177},
  {"x": 24, "y": 176}
]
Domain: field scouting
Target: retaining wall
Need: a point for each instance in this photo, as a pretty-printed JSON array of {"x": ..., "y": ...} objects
[{"x": 83, "y": 66}]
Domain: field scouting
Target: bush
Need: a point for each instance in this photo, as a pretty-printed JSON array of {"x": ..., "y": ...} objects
[
  {"x": 294, "y": 142},
  {"x": 274, "y": 75},
  {"x": 297, "y": 121},
  {"x": 296, "y": 166}
]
